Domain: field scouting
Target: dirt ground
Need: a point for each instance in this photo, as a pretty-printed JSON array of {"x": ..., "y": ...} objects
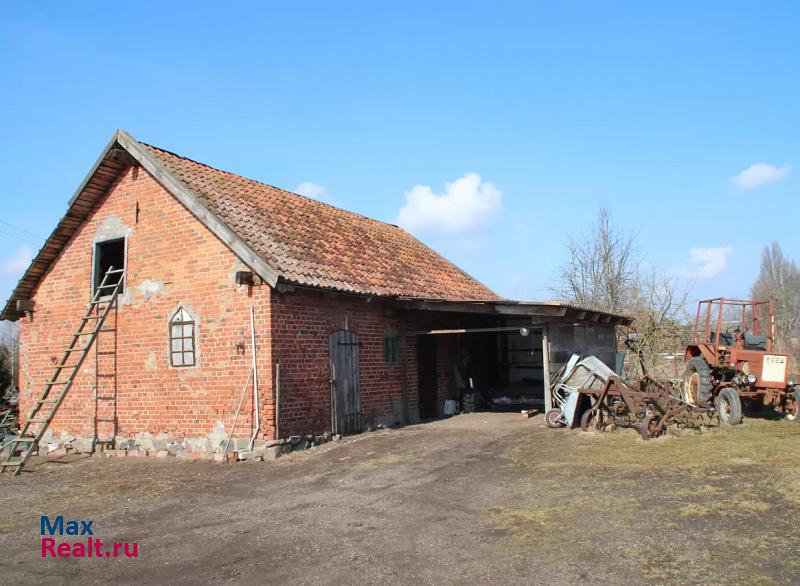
[{"x": 481, "y": 498}]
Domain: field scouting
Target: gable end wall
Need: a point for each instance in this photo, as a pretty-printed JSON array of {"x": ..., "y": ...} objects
[{"x": 172, "y": 260}]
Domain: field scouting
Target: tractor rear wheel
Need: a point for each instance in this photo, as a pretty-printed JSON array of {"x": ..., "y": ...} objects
[
  {"x": 729, "y": 407},
  {"x": 698, "y": 385}
]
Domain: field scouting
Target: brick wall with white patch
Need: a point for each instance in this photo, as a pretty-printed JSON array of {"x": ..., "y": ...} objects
[{"x": 173, "y": 261}]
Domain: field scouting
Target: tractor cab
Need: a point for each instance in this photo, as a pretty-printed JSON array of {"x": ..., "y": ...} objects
[{"x": 735, "y": 323}]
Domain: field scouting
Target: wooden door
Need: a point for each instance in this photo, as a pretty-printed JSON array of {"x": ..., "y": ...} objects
[
  {"x": 346, "y": 416},
  {"x": 426, "y": 363}
]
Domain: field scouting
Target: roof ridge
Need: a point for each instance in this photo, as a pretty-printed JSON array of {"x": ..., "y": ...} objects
[{"x": 232, "y": 174}]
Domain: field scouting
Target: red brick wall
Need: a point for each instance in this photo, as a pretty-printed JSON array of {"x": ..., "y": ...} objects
[
  {"x": 172, "y": 260},
  {"x": 302, "y": 322}
]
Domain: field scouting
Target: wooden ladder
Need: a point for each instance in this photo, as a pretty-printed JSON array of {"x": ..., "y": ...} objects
[{"x": 22, "y": 447}]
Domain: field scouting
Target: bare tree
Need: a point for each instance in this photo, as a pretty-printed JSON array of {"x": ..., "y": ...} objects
[
  {"x": 601, "y": 270},
  {"x": 660, "y": 328},
  {"x": 9, "y": 356},
  {"x": 604, "y": 271},
  {"x": 779, "y": 281}
]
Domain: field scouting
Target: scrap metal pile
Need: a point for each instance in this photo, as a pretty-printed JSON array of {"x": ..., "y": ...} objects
[{"x": 589, "y": 394}]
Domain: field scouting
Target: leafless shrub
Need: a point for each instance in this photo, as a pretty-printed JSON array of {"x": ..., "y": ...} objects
[
  {"x": 605, "y": 271},
  {"x": 779, "y": 281}
]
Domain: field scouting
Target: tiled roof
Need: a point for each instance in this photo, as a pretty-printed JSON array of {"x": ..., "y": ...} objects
[{"x": 312, "y": 243}]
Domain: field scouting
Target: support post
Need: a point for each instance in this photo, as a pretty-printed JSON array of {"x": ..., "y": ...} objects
[
  {"x": 404, "y": 358},
  {"x": 548, "y": 398}
]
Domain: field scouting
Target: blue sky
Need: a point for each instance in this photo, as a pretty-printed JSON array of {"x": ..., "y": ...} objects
[{"x": 534, "y": 115}]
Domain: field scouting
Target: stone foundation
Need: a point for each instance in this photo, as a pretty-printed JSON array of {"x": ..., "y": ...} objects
[{"x": 211, "y": 447}]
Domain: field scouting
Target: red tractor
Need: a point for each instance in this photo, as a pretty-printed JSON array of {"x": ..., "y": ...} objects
[{"x": 732, "y": 358}]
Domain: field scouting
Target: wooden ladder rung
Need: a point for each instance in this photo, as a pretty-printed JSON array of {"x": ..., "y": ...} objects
[{"x": 97, "y": 300}]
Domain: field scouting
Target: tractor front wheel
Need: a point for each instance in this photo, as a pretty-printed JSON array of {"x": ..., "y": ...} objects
[
  {"x": 729, "y": 407},
  {"x": 698, "y": 384},
  {"x": 793, "y": 407}
]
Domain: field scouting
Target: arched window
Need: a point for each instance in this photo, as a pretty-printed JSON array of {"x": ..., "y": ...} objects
[{"x": 182, "y": 332}]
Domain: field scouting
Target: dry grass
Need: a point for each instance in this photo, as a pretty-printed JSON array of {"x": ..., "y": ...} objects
[{"x": 714, "y": 507}]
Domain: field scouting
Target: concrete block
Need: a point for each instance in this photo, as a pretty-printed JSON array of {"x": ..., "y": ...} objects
[
  {"x": 272, "y": 452},
  {"x": 120, "y": 453},
  {"x": 162, "y": 454},
  {"x": 145, "y": 443},
  {"x": 218, "y": 434},
  {"x": 84, "y": 445},
  {"x": 175, "y": 449}
]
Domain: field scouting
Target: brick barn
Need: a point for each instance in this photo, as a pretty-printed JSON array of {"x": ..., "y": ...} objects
[{"x": 355, "y": 322}]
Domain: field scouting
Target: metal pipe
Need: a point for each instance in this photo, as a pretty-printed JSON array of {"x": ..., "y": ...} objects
[
  {"x": 238, "y": 410},
  {"x": 473, "y": 330},
  {"x": 255, "y": 376},
  {"x": 277, "y": 399}
]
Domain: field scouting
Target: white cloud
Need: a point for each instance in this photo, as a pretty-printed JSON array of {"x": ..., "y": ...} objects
[
  {"x": 314, "y": 191},
  {"x": 760, "y": 174},
  {"x": 465, "y": 205},
  {"x": 520, "y": 230},
  {"x": 705, "y": 263},
  {"x": 14, "y": 265}
]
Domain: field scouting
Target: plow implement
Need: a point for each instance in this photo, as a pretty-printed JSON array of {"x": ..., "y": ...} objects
[{"x": 649, "y": 406}]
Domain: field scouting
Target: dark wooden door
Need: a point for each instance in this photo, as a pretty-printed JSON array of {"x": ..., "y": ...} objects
[
  {"x": 426, "y": 363},
  {"x": 345, "y": 391}
]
